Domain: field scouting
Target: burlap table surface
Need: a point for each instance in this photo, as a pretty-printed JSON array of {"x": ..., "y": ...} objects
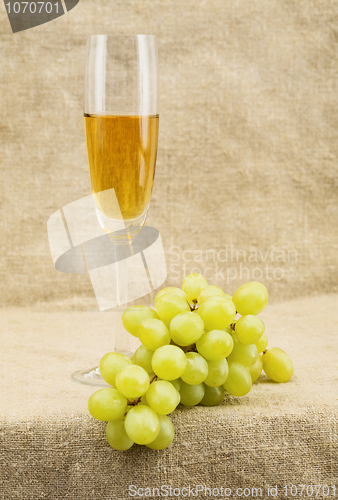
[{"x": 279, "y": 434}]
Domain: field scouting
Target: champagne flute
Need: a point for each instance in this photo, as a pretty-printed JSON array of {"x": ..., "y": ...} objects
[
  {"x": 121, "y": 128},
  {"x": 121, "y": 124}
]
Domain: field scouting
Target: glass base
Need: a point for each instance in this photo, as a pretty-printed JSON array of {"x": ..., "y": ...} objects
[
  {"x": 89, "y": 377},
  {"x": 93, "y": 375}
]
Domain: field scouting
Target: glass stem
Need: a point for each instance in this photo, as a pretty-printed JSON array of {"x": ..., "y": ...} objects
[{"x": 122, "y": 339}]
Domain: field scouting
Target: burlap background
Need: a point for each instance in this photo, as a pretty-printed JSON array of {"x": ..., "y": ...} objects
[
  {"x": 248, "y": 138},
  {"x": 247, "y": 160}
]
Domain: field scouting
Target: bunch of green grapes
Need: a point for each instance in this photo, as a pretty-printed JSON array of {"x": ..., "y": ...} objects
[{"x": 194, "y": 350}]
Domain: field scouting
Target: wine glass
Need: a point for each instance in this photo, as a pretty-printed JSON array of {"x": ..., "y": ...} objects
[{"x": 121, "y": 127}]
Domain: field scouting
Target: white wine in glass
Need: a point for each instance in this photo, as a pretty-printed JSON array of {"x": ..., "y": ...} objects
[{"x": 122, "y": 155}]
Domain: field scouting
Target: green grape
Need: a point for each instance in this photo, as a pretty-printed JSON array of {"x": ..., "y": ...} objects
[
  {"x": 213, "y": 396},
  {"x": 256, "y": 369},
  {"x": 262, "y": 344},
  {"x": 117, "y": 437},
  {"x": 249, "y": 329},
  {"x": 193, "y": 284},
  {"x": 250, "y": 298},
  {"x": 153, "y": 334},
  {"x": 133, "y": 317},
  {"x": 173, "y": 290},
  {"x": 239, "y": 380},
  {"x": 246, "y": 354},
  {"x": 162, "y": 397},
  {"x": 165, "y": 436},
  {"x": 277, "y": 365},
  {"x": 132, "y": 381},
  {"x": 142, "y": 424},
  {"x": 111, "y": 363},
  {"x": 215, "y": 345},
  {"x": 191, "y": 395},
  {"x": 176, "y": 383},
  {"x": 177, "y": 391},
  {"x": 217, "y": 373},
  {"x": 210, "y": 291},
  {"x": 169, "y": 362},
  {"x": 142, "y": 357},
  {"x": 217, "y": 313},
  {"x": 169, "y": 305},
  {"x": 263, "y": 325},
  {"x": 107, "y": 404},
  {"x": 186, "y": 328},
  {"x": 196, "y": 370}
]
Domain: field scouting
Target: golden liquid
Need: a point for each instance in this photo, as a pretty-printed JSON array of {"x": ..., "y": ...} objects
[{"x": 122, "y": 155}]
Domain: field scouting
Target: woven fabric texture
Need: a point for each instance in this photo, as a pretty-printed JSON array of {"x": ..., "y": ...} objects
[
  {"x": 247, "y": 148},
  {"x": 245, "y": 188},
  {"x": 279, "y": 434}
]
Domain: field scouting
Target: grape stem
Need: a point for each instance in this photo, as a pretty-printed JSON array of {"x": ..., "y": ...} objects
[
  {"x": 136, "y": 401},
  {"x": 232, "y": 326},
  {"x": 192, "y": 348},
  {"x": 193, "y": 306}
]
